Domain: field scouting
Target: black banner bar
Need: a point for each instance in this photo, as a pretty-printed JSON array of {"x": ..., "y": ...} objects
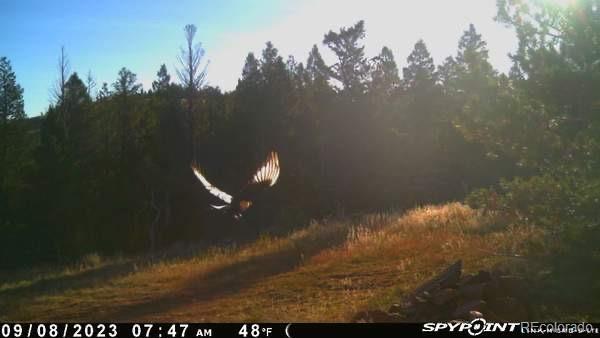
[
  {"x": 291, "y": 330},
  {"x": 185, "y": 330}
]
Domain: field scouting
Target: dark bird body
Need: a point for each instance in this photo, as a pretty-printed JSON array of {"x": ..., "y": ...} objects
[{"x": 266, "y": 176}]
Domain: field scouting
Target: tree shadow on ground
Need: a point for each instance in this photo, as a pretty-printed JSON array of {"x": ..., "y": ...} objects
[
  {"x": 231, "y": 279},
  {"x": 95, "y": 276}
]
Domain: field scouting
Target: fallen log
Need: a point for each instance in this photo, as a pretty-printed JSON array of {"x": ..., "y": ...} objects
[{"x": 495, "y": 296}]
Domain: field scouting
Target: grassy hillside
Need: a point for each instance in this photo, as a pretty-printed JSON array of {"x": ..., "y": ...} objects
[{"x": 325, "y": 272}]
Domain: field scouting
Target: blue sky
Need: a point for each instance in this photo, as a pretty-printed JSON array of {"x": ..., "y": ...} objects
[{"x": 103, "y": 36}]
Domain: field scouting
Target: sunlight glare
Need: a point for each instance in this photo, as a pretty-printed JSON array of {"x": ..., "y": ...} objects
[{"x": 562, "y": 3}]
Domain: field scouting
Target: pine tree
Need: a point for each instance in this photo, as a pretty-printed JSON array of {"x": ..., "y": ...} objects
[
  {"x": 11, "y": 94},
  {"x": 250, "y": 71},
  {"x": 470, "y": 76},
  {"x": 420, "y": 73},
  {"x": 16, "y": 167},
  {"x": 384, "y": 76},
  {"x": 126, "y": 84},
  {"x": 352, "y": 67},
  {"x": 317, "y": 100},
  {"x": 317, "y": 70},
  {"x": 473, "y": 96},
  {"x": 77, "y": 102},
  {"x": 12, "y": 134},
  {"x": 271, "y": 61},
  {"x": 473, "y": 53},
  {"x": 163, "y": 79},
  {"x": 423, "y": 93},
  {"x": 104, "y": 92},
  {"x": 125, "y": 88}
]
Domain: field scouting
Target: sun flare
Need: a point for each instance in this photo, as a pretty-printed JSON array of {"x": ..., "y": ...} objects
[{"x": 562, "y": 3}]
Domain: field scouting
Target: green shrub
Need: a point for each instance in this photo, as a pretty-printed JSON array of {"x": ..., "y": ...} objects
[
  {"x": 543, "y": 200},
  {"x": 568, "y": 207}
]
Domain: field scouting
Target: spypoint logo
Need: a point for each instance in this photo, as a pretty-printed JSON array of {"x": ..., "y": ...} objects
[
  {"x": 477, "y": 326},
  {"x": 474, "y": 328}
]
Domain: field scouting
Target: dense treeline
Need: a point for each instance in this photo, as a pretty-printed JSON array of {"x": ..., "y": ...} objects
[{"x": 111, "y": 173}]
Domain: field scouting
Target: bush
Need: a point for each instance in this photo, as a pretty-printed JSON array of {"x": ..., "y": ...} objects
[
  {"x": 567, "y": 206},
  {"x": 545, "y": 200}
]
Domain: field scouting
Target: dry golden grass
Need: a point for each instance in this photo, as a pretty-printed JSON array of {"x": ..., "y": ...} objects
[{"x": 325, "y": 272}]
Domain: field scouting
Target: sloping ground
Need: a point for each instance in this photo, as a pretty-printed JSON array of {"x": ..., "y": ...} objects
[{"x": 326, "y": 272}]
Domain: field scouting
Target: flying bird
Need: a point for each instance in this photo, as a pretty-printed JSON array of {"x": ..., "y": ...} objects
[{"x": 266, "y": 176}]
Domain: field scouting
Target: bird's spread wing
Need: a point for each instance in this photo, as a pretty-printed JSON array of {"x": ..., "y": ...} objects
[
  {"x": 268, "y": 173},
  {"x": 266, "y": 176},
  {"x": 225, "y": 197}
]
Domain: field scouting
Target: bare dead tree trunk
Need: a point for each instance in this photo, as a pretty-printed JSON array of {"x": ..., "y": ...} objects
[
  {"x": 58, "y": 92},
  {"x": 167, "y": 206},
  {"x": 191, "y": 123},
  {"x": 64, "y": 69},
  {"x": 190, "y": 31},
  {"x": 153, "y": 229},
  {"x": 192, "y": 76},
  {"x": 90, "y": 83}
]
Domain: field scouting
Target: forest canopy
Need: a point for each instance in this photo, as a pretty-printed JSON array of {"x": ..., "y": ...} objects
[{"x": 110, "y": 172}]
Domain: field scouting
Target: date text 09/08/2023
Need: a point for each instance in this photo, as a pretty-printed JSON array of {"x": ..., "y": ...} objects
[{"x": 134, "y": 330}]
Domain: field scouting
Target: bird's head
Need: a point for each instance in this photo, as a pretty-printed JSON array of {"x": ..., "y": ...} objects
[{"x": 245, "y": 205}]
